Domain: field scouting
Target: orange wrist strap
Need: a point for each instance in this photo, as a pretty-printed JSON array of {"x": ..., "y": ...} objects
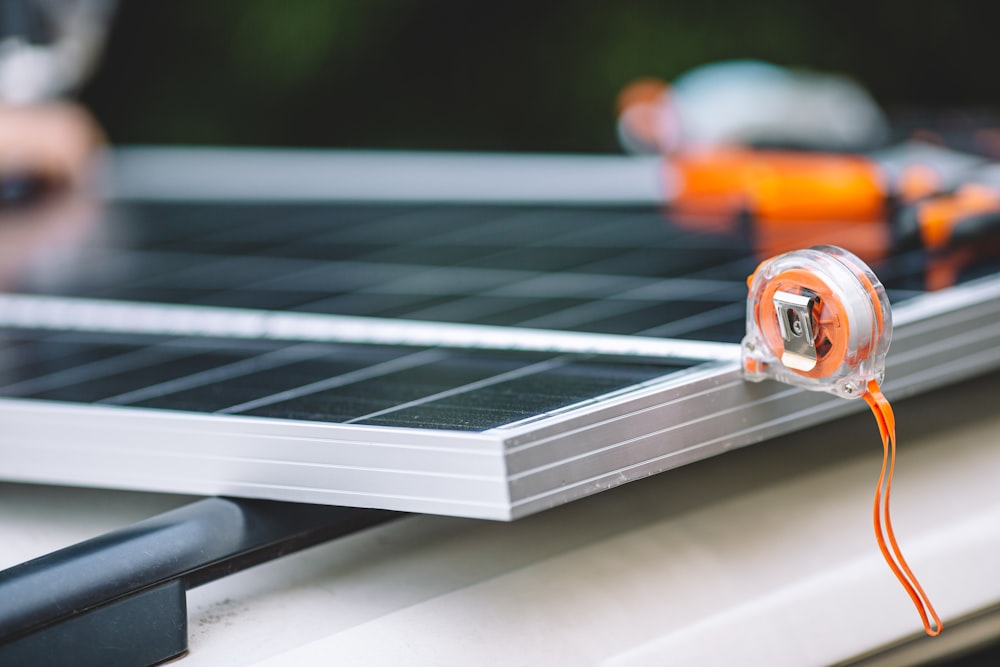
[{"x": 880, "y": 511}]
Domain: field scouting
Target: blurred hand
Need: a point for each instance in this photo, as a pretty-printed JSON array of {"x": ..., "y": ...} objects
[
  {"x": 48, "y": 168},
  {"x": 53, "y": 144}
]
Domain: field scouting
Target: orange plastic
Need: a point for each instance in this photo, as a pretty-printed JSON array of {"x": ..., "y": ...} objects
[
  {"x": 832, "y": 326},
  {"x": 880, "y": 512},
  {"x": 869, "y": 241},
  {"x": 938, "y": 216},
  {"x": 917, "y": 182},
  {"x": 641, "y": 91},
  {"x": 639, "y": 107},
  {"x": 779, "y": 186}
]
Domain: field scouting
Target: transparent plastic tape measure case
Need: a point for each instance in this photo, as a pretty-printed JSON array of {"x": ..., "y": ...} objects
[{"x": 817, "y": 318}]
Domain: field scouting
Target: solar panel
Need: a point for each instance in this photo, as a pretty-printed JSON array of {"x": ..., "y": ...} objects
[{"x": 494, "y": 432}]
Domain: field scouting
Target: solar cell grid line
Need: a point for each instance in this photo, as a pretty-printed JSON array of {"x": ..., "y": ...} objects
[
  {"x": 229, "y": 392},
  {"x": 147, "y": 241},
  {"x": 159, "y": 226},
  {"x": 605, "y": 283},
  {"x": 445, "y": 310},
  {"x": 531, "y": 369},
  {"x": 669, "y": 289},
  {"x": 405, "y": 362},
  {"x": 12, "y": 340},
  {"x": 574, "y": 224},
  {"x": 572, "y": 284},
  {"x": 337, "y": 241},
  {"x": 28, "y": 363},
  {"x": 604, "y": 301},
  {"x": 735, "y": 269},
  {"x": 530, "y": 229},
  {"x": 81, "y": 363},
  {"x": 339, "y": 276},
  {"x": 621, "y": 313},
  {"x": 536, "y": 290},
  {"x": 517, "y": 227},
  {"x": 332, "y": 242},
  {"x": 139, "y": 268},
  {"x": 527, "y": 257},
  {"x": 727, "y": 314},
  {"x": 163, "y": 224},
  {"x": 220, "y": 297},
  {"x": 261, "y": 362},
  {"x": 301, "y": 222},
  {"x": 171, "y": 243},
  {"x": 197, "y": 268},
  {"x": 420, "y": 223},
  {"x": 486, "y": 309},
  {"x": 489, "y": 301},
  {"x": 453, "y": 281},
  {"x": 647, "y": 227},
  {"x": 366, "y": 304},
  {"x": 616, "y": 316},
  {"x": 384, "y": 392},
  {"x": 544, "y": 229},
  {"x": 572, "y": 384},
  {"x": 121, "y": 358},
  {"x": 221, "y": 272},
  {"x": 653, "y": 261},
  {"x": 510, "y": 281},
  {"x": 165, "y": 366},
  {"x": 307, "y": 301},
  {"x": 234, "y": 271},
  {"x": 711, "y": 293}
]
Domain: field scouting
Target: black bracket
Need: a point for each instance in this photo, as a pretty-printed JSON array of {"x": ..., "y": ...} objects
[{"x": 120, "y": 599}]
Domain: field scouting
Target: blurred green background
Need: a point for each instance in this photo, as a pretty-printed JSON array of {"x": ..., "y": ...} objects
[{"x": 539, "y": 76}]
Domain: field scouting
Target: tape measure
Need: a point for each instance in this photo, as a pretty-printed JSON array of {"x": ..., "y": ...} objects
[{"x": 820, "y": 319}]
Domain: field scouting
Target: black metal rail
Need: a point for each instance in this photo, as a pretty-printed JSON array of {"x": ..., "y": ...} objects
[{"x": 120, "y": 599}]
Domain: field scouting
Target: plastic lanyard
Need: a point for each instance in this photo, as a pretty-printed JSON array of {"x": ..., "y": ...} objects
[{"x": 884, "y": 534}]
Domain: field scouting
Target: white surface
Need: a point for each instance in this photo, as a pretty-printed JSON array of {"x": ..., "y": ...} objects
[{"x": 761, "y": 556}]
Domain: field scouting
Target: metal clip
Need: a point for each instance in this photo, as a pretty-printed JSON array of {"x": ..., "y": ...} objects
[{"x": 796, "y": 323}]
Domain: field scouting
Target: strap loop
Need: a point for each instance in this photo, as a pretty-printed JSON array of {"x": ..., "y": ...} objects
[{"x": 880, "y": 511}]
